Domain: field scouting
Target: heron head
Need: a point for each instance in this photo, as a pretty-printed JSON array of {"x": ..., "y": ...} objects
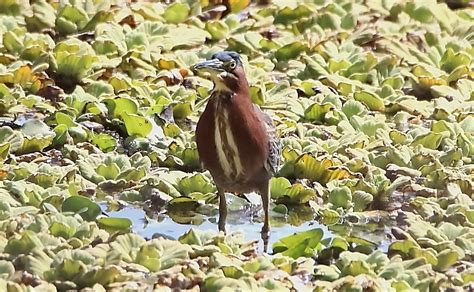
[{"x": 225, "y": 70}]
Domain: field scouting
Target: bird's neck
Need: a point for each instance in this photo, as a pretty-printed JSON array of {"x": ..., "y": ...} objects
[
  {"x": 239, "y": 95},
  {"x": 231, "y": 98}
]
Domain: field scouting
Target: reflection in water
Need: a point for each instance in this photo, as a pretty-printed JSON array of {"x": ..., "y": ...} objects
[
  {"x": 175, "y": 224},
  {"x": 250, "y": 226}
]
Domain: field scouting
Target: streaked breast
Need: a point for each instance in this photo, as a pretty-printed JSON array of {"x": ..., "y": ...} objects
[{"x": 226, "y": 146}]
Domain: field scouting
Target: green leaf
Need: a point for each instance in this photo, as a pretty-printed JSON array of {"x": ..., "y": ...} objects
[
  {"x": 136, "y": 125},
  {"x": 326, "y": 273},
  {"x": 238, "y": 5},
  {"x": 450, "y": 60},
  {"x": 316, "y": 112},
  {"x": 182, "y": 110},
  {"x": 356, "y": 268},
  {"x": 105, "y": 142},
  {"x": 73, "y": 58},
  {"x": 299, "y": 244},
  {"x": 284, "y": 192},
  {"x": 4, "y": 151},
  {"x": 183, "y": 36},
  {"x": 37, "y": 136},
  {"x": 62, "y": 135},
  {"x": 176, "y": 12},
  {"x": 290, "y": 51},
  {"x": 430, "y": 140},
  {"x": 446, "y": 259},
  {"x": 149, "y": 257},
  {"x": 23, "y": 244},
  {"x": 361, "y": 200},
  {"x": 78, "y": 134},
  {"x": 371, "y": 100},
  {"x": 278, "y": 186},
  {"x": 113, "y": 224},
  {"x": 468, "y": 124},
  {"x": 10, "y": 137},
  {"x": 34, "y": 128},
  {"x": 70, "y": 19},
  {"x": 190, "y": 237},
  {"x": 368, "y": 125},
  {"x": 118, "y": 106},
  {"x": 82, "y": 205},
  {"x": 44, "y": 16},
  {"x": 6, "y": 270},
  {"x": 288, "y": 15},
  {"x": 62, "y": 230},
  {"x": 321, "y": 170},
  {"x": 218, "y": 29},
  {"x": 63, "y": 119},
  {"x": 108, "y": 171},
  {"x": 195, "y": 183},
  {"x": 353, "y": 108},
  {"x": 341, "y": 197}
]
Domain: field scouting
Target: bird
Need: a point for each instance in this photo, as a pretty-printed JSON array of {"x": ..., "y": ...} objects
[{"x": 236, "y": 141}]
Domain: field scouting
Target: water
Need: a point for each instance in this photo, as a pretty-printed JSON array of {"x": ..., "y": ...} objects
[
  {"x": 166, "y": 227},
  {"x": 248, "y": 222}
]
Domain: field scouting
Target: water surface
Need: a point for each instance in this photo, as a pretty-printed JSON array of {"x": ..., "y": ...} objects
[{"x": 248, "y": 221}]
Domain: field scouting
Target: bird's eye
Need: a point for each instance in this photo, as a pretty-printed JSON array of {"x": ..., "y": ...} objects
[{"x": 232, "y": 64}]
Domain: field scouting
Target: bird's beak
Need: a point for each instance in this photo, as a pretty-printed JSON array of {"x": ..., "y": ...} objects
[{"x": 211, "y": 66}]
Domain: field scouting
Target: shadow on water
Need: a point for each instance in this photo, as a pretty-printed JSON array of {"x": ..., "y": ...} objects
[{"x": 249, "y": 221}]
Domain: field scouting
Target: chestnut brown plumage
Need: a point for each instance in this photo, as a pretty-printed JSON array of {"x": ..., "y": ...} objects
[{"x": 236, "y": 141}]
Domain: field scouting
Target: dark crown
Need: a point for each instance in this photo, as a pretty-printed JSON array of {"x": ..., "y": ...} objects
[{"x": 226, "y": 56}]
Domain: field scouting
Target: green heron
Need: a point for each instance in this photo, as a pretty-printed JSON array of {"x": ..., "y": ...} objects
[{"x": 236, "y": 141}]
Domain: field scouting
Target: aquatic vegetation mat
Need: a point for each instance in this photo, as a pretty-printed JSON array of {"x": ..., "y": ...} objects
[{"x": 374, "y": 101}]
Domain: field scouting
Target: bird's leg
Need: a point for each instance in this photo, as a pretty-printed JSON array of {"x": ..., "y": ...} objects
[
  {"x": 265, "y": 194},
  {"x": 222, "y": 209}
]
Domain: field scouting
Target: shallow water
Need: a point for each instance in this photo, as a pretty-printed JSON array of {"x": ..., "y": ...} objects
[
  {"x": 249, "y": 223},
  {"x": 166, "y": 227}
]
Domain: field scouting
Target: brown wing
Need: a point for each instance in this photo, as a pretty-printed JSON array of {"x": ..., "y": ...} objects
[{"x": 274, "y": 145}]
